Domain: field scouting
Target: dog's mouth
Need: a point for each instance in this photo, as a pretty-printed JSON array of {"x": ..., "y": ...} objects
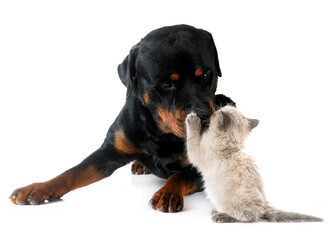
[{"x": 174, "y": 121}]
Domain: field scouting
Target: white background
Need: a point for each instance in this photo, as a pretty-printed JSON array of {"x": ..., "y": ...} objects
[{"x": 60, "y": 92}]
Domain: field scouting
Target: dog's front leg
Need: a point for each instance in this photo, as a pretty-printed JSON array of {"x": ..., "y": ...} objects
[
  {"x": 170, "y": 197},
  {"x": 100, "y": 164}
]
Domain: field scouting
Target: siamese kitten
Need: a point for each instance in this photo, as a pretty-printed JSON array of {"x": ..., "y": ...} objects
[{"x": 232, "y": 182}]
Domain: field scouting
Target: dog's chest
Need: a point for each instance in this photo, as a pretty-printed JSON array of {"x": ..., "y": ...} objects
[{"x": 168, "y": 157}]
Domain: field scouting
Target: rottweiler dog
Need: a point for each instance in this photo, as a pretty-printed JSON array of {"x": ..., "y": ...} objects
[{"x": 172, "y": 71}]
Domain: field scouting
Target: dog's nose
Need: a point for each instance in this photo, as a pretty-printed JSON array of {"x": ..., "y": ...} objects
[{"x": 188, "y": 108}]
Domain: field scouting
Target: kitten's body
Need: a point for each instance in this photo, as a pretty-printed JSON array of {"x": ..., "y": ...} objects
[{"x": 232, "y": 182}]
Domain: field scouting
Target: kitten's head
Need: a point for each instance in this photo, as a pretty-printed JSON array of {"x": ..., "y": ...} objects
[{"x": 232, "y": 126}]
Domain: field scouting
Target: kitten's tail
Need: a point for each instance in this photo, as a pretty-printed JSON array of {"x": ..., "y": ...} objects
[{"x": 274, "y": 215}]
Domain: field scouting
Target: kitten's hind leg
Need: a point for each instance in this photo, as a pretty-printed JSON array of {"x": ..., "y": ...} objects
[
  {"x": 214, "y": 212},
  {"x": 223, "y": 218}
]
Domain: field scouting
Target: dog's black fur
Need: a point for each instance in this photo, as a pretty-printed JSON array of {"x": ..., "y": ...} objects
[{"x": 169, "y": 73}]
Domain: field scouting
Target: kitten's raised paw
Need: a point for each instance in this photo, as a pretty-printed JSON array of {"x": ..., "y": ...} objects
[
  {"x": 223, "y": 218},
  {"x": 193, "y": 119}
]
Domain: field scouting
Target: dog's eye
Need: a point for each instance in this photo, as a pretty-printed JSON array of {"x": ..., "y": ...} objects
[
  {"x": 205, "y": 78},
  {"x": 166, "y": 85}
]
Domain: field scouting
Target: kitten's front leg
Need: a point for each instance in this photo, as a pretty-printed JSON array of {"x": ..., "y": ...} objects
[{"x": 193, "y": 124}]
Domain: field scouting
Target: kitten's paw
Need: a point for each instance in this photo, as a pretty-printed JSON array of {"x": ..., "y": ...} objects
[
  {"x": 214, "y": 212},
  {"x": 193, "y": 120},
  {"x": 223, "y": 218}
]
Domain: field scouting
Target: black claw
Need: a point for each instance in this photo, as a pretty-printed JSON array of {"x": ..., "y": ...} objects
[
  {"x": 179, "y": 207},
  {"x": 162, "y": 207},
  {"x": 19, "y": 202},
  {"x": 171, "y": 209},
  {"x": 151, "y": 203},
  {"x": 33, "y": 201}
]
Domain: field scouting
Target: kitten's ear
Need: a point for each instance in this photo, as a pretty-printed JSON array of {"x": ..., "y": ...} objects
[
  {"x": 253, "y": 123},
  {"x": 217, "y": 119}
]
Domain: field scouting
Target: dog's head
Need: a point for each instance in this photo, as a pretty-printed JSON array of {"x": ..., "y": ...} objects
[{"x": 172, "y": 71}]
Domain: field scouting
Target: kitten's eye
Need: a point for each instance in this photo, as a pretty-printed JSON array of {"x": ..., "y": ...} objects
[{"x": 166, "y": 85}]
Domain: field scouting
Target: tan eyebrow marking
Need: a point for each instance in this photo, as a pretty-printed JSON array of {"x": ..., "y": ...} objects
[
  {"x": 174, "y": 76},
  {"x": 198, "y": 72}
]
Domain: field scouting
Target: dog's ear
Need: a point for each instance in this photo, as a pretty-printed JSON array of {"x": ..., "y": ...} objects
[
  {"x": 221, "y": 101},
  {"x": 216, "y": 59},
  {"x": 127, "y": 70}
]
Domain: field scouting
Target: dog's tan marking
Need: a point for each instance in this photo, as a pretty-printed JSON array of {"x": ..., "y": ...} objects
[
  {"x": 199, "y": 72},
  {"x": 146, "y": 98},
  {"x": 171, "y": 122},
  {"x": 174, "y": 77},
  {"x": 211, "y": 106},
  {"x": 123, "y": 145}
]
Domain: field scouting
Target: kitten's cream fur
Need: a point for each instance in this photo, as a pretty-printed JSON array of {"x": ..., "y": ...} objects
[{"x": 232, "y": 182}]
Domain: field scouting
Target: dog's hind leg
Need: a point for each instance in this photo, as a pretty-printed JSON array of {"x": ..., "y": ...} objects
[{"x": 138, "y": 168}]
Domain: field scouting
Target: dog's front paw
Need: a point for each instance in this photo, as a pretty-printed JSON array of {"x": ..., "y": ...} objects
[
  {"x": 193, "y": 120},
  {"x": 167, "y": 201},
  {"x": 33, "y": 194}
]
